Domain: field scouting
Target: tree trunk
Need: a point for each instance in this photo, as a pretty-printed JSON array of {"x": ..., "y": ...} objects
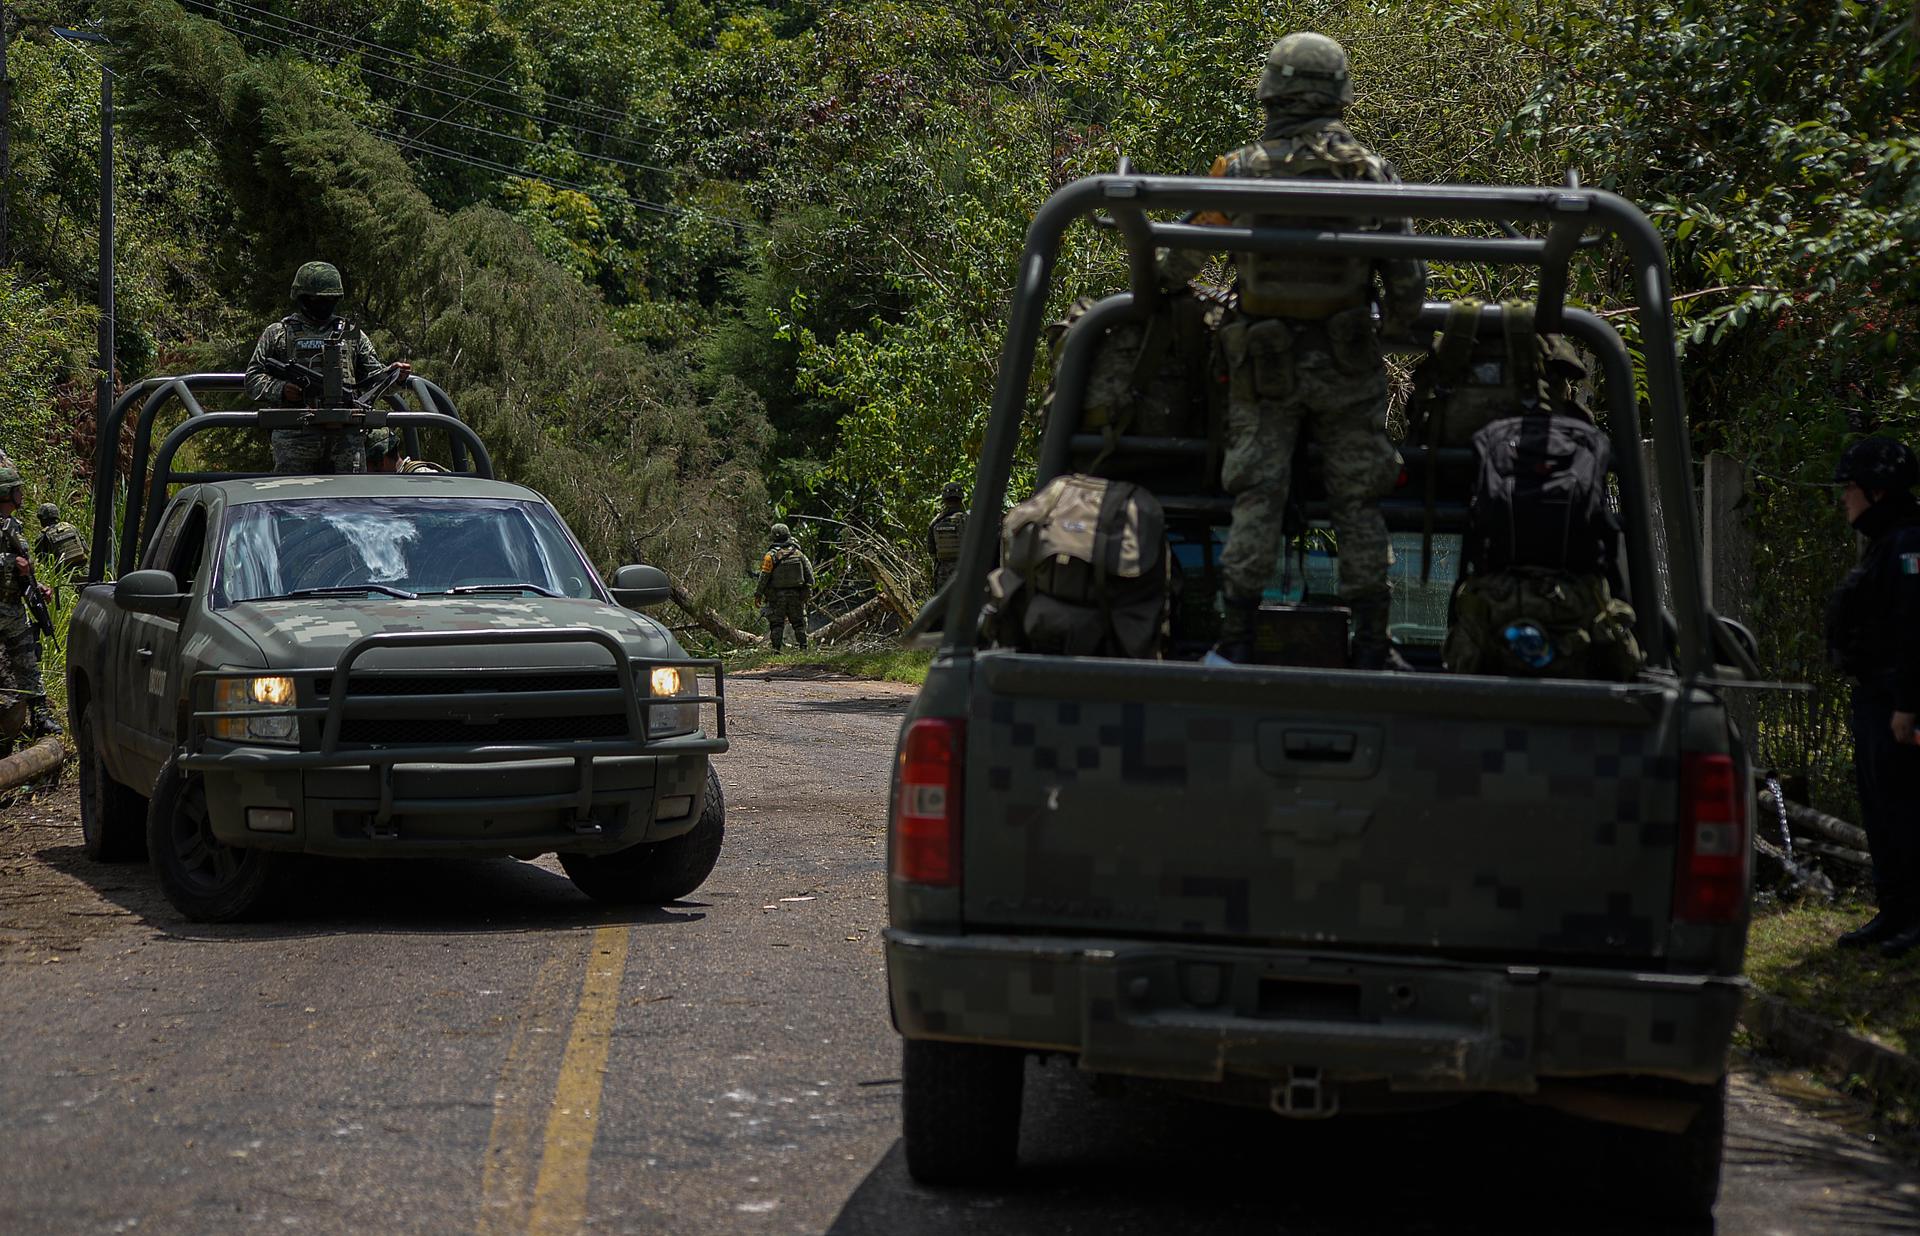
[
  {"x": 853, "y": 620},
  {"x": 712, "y": 622}
]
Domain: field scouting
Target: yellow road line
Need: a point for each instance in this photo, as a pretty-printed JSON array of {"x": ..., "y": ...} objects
[
  {"x": 560, "y": 1192},
  {"x": 509, "y": 1162}
]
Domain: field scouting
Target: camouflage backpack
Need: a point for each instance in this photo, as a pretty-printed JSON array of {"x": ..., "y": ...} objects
[
  {"x": 1153, "y": 377},
  {"x": 1532, "y": 623},
  {"x": 1473, "y": 378},
  {"x": 1084, "y": 571}
]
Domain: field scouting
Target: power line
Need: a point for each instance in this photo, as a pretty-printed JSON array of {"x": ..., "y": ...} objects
[
  {"x": 512, "y": 137},
  {"x": 397, "y": 58}
]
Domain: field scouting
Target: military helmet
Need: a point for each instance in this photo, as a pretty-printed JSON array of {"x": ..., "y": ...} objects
[
  {"x": 1304, "y": 64},
  {"x": 49, "y": 514},
  {"x": 318, "y": 279},
  {"x": 953, "y": 491},
  {"x": 782, "y": 534},
  {"x": 380, "y": 443},
  {"x": 9, "y": 479},
  {"x": 1870, "y": 463},
  {"x": 1562, "y": 357}
]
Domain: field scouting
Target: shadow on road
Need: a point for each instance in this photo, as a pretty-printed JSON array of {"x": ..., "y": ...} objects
[
  {"x": 1150, "y": 1163},
  {"x": 871, "y": 705},
  {"x": 461, "y": 896}
]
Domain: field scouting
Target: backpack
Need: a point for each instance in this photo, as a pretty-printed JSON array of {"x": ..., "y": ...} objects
[
  {"x": 1540, "y": 497},
  {"x": 1469, "y": 380},
  {"x": 1084, "y": 571},
  {"x": 1579, "y": 629},
  {"x": 789, "y": 568},
  {"x": 1150, "y": 376}
]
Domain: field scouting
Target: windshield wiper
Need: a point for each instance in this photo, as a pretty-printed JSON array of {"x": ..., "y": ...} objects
[
  {"x": 469, "y": 589},
  {"x": 343, "y": 590}
]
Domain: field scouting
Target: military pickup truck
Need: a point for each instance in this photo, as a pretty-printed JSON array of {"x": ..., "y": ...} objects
[
  {"x": 376, "y": 665},
  {"x": 1318, "y": 890}
]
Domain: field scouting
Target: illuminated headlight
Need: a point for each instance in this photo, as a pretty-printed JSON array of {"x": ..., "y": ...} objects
[
  {"x": 666, "y": 682},
  {"x": 271, "y": 697}
]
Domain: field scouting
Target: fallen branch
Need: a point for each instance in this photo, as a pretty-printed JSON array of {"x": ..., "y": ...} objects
[
  {"x": 38, "y": 760},
  {"x": 1819, "y": 823},
  {"x": 711, "y": 620},
  {"x": 853, "y": 620}
]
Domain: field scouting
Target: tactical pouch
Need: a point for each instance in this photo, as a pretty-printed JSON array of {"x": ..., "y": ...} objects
[
  {"x": 1355, "y": 346},
  {"x": 1267, "y": 358}
]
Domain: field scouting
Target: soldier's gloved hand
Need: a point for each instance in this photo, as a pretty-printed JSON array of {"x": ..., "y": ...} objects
[
  {"x": 1903, "y": 729},
  {"x": 21, "y": 565},
  {"x": 46, "y": 594},
  {"x": 404, "y": 369},
  {"x": 290, "y": 392}
]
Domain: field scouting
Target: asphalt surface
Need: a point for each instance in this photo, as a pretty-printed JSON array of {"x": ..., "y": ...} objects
[{"x": 475, "y": 1047}]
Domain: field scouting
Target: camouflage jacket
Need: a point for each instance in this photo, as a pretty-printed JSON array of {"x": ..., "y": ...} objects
[
  {"x": 1309, "y": 286},
  {"x": 295, "y": 338},
  {"x": 13, "y": 544},
  {"x": 775, "y": 558}
]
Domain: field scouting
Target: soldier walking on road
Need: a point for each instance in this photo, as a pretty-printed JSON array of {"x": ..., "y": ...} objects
[
  {"x": 302, "y": 338},
  {"x": 785, "y": 578},
  {"x": 1873, "y": 634},
  {"x": 1305, "y": 354},
  {"x": 944, "y": 533},
  {"x": 17, "y": 635},
  {"x": 60, "y": 541}
]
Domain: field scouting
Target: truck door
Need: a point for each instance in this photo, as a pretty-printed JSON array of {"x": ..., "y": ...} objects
[{"x": 151, "y": 672}]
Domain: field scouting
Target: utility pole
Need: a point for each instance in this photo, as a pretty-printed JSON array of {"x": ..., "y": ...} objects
[{"x": 6, "y": 124}]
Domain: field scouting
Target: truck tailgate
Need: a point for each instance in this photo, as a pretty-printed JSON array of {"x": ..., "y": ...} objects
[{"x": 1408, "y": 812}]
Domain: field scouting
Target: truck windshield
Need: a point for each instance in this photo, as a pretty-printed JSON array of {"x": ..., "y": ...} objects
[{"x": 395, "y": 546}]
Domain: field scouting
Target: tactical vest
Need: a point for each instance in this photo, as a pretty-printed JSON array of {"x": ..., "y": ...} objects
[
  {"x": 306, "y": 344},
  {"x": 64, "y": 539},
  {"x": 1300, "y": 284},
  {"x": 947, "y": 531},
  {"x": 13, "y": 543},
  {"x": 789, "y": 567}
]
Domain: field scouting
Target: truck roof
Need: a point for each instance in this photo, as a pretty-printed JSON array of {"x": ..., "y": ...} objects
[{"x": 372, "y": 485}]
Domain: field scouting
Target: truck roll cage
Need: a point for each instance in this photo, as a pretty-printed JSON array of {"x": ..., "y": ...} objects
[
  {"x": 418, "y": 405},
  {"x": 1574, "y": 219}
]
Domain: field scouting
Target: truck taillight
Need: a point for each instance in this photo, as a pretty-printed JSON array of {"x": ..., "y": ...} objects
[
  {"x": 1710, "y": 880},
  {"x": 926, "y": 802}
]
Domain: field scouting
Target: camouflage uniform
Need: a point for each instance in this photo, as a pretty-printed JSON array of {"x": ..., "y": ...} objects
[
  {"x": 785, "y": 577},
  {"x": 1304, "y": 354},
  {"x": 944, "y": 533},
  {"x": 302, "y": 336},
  {"x": 60, "y": 541},
  {"x": 17, "y": 635}
]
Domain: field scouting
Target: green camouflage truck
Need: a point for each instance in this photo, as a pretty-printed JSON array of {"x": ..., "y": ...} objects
[
  {"x": 1318, "y": 890},
  {"x": 376, "y": 665}
]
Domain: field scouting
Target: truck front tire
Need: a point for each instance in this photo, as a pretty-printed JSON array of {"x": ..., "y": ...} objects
[
  {"x": 960, "y": 1109},
  {"x": 659, "y": 871},
  {"x": 113, "y": 819},
  {"x": 205, "y": 879}
]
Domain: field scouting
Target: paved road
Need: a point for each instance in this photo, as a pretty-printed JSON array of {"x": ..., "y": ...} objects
[{"x": 474, "y": 1047}]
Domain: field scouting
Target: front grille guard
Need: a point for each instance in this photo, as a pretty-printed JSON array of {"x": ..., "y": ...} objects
[{"x": 635, "y": 675}]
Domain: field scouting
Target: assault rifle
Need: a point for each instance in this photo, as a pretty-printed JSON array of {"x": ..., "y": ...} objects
[
  {"x": 36, "y": 601},
  {"x": 313, "y": 384},
  {"x": 306, "y": 377}
]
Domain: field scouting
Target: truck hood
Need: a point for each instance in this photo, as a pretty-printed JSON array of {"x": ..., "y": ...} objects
[{"x": 311, "y": 632}]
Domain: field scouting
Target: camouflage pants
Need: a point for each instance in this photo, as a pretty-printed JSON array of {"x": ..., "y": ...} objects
[
  {"x": 942, "y": 572},
  {"x": 787, "y": 605},
  {"x": 22, "y": 648},
  {"x": 324, "y": 451},
  {"x": 1288, "y": 376}
]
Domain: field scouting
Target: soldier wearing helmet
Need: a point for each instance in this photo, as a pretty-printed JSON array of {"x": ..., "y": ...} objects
[
  {"x": 785, "y": 578},
  {"x": 17, "y": 634},
  {"x": 1873, "y": 634},
  {"x": 1305, "y": 355},
  {"x": 943, "y": 534},
  {"x": 60, "y": 541},
  {"x": 302, "y": 337}
]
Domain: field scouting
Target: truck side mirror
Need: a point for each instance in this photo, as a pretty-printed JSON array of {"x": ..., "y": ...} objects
[
  {"x": 151, "y": 592},
  {"x": 634, "y": 586}
]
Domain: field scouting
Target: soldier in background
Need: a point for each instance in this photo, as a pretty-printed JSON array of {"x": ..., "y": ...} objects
[
  {"x": 1872, "y": 623},
  {"x": 1305, "y": 354},
  {"x": 302, "y": 337},
  {"x": 785, "y": 578},
  {"x": 943, "y": 534},
  {"x": 17, "y": 636},
  {"x": 60, "y": 541}
]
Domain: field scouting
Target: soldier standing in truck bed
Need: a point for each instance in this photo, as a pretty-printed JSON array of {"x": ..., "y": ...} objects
[
  {"x": 302, "y": 337},
  {"x": 1305, "y": 355},
  {"x": 944, "y": 533},
  {"x": 785, "y": 578}
]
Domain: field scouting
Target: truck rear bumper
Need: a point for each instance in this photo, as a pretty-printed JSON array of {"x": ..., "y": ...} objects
[
  {"x": 589, "y": 804},
  {"x": 1199, "y": 1013}
]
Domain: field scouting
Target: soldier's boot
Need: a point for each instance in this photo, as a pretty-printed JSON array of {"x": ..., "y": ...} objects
[
  {"x": 800, "y": 636},
  {"x": 1372, "y": 647},
  {"x": 1236, "y": 629},
  {"x": 774, "y": 632},
  {"x": 42, "y": 723}
]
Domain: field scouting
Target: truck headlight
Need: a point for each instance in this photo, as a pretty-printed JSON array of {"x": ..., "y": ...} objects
[
  {"x": 271, "y": 696},
  {"x": 671, "y": 720}
]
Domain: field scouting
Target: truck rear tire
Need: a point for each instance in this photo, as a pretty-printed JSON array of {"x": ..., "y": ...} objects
[
  {"x": 205, "y": 879},
  {"x": 113, "y": 819},
  {"x": 656, "y": 871},
  {"x": 1677, "y": 1175},
  {"x": 960, "y": 1109}
]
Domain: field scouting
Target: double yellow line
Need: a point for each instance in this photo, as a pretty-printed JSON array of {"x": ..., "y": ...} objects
[{"x": 557, "y": 1200}]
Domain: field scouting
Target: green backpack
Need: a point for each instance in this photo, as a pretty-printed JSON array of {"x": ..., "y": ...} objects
[{"x": 1471, "y": 379}]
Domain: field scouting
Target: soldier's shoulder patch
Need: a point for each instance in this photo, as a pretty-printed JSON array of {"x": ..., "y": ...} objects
[
  {"x": 766, "y": 563},
  {"x": 1910, "y": 564}
]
